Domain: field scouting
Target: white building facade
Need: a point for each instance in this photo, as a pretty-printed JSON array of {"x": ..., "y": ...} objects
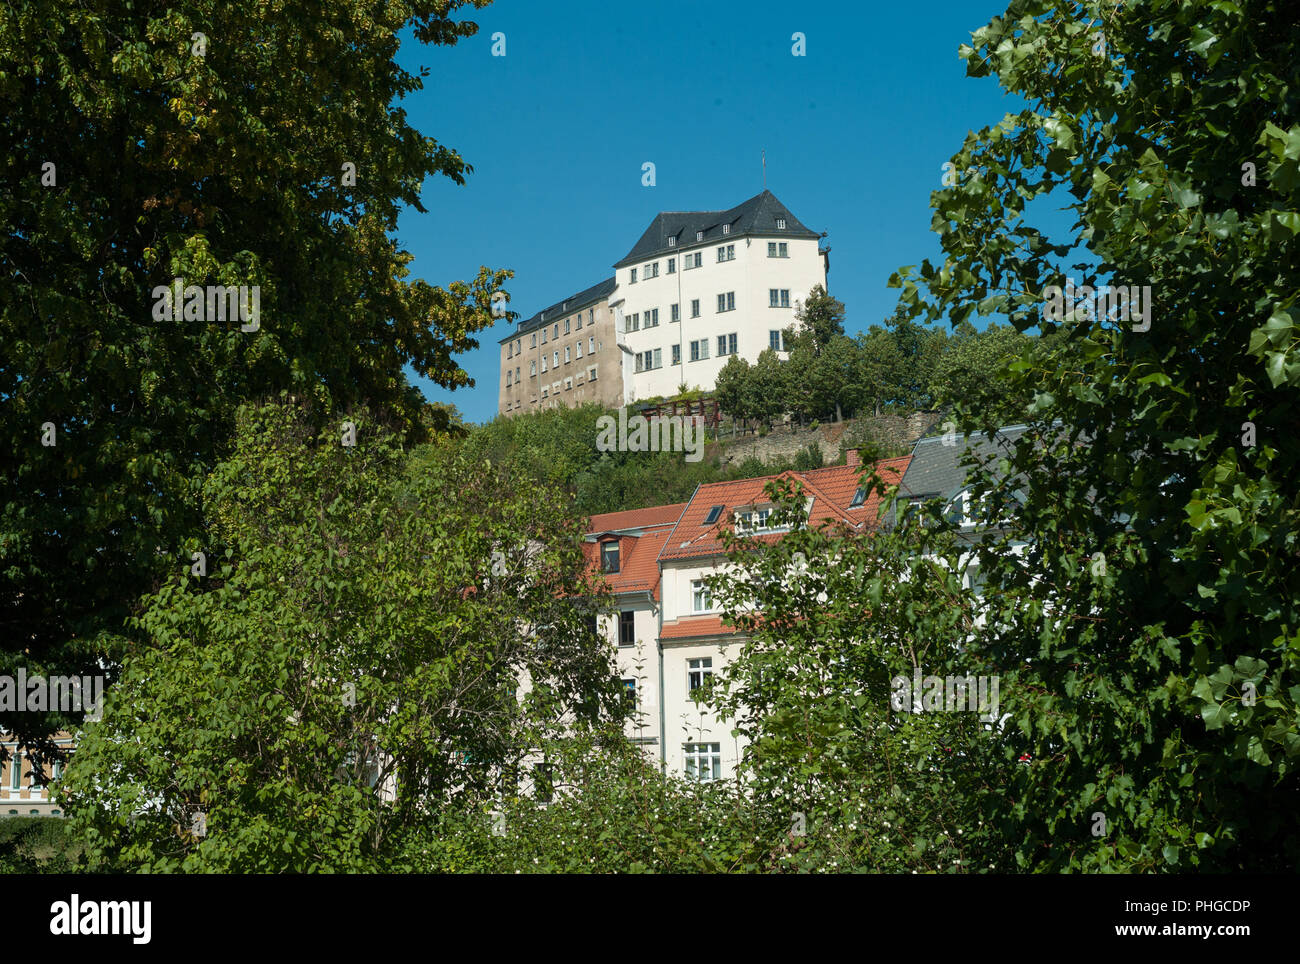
[{"x": 696, "y": 289}]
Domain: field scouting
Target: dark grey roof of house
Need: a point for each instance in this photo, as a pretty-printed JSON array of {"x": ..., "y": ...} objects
[
  {"x": 757, "y": 216},
  {"x": 936, "y": 470},
  {"x": 597, "y": 292}
]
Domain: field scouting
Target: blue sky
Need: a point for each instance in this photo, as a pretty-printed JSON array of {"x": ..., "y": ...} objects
[{"x": 855, "y": 132}]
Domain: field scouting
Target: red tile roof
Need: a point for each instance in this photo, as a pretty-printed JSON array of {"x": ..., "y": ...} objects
[
  {"x": 655, "y": 515},
  {"x": 831, "y": 490},
  {"x": 693, "y": 626},
  {"x": 840, "y": 483},
  {"x": 638, "y": 558}
]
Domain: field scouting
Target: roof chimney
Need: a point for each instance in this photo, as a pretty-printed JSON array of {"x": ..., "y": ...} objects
[{"x": 851, "y": 457}]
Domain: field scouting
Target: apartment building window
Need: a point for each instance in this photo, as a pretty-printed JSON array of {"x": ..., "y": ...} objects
[
  {"x": 566, "y": 326},
  {"x": 579, "y": 351},
  {"x": 609, "y": 556},
  {"x": 649, "y": 360},
  {"x": 727, "y": 253},
  {"x": 591, "y": 316},
  {"x": 727, "y": 302},
  {"x": 532, "y": 370},
  {"x": 543, "y": 336},
  {"x": 16, "y": 771},
  {"x": 566, "y": 354},
  {"x": 634, "y": 322},
  {"x": 578, "y": 322},
  {"x": 652, "y": 318},
  {"x": 695, "y": 307},
  {"x": 591, "y": 374},
  {"x": 509, "y": 378},
  {"x": 556, "y": 332},
  {"x": 629, "y": 694},
  {"x": 546, "y": 393},
  {"x": 780, "y": 224},
  {"x": 534, "y": 339},
  {"x": 778, "y": 249},
  {"x": 699, "y": 673},
  {"x": 774, "y": 341},
  {"x": 672, "y": 263},
  {"x": 627, "y": 627},
  {"x": 516, "y": 374},
  {"x": 555, "y": 359},
  {"x": 591, "y": 345},
  {"x": 727, "y": 344},
  {"x": 568, "y": 384},
  {"x": 651, "y": 270},
  {"x": 510, "y": 350},
  {"x": 677, "y": 354},
  {"x": 518, "y": 351},
  {"x": 543, "y": 364},
  {"x": 632, "y": 280},
  {"x": 695, "y": 260},
  {"x": 778, "y": 297},
  {"x": 701, "y": 598},
  {"x": 700, "y": 349},
  {"x": 676, "y": 312},
  {"x": 703, "y": 761}
]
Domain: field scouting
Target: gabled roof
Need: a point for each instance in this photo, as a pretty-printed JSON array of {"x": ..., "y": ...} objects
[
  {"x": 757, "y": 216},
  {"x": 831, "y": 491},
  {"x": 936, "y": 469},
  {"x": 573, "y": 303},
  {"x": 638, "y": 569},
  {"x": 636, "y": 519},
  {"x": 840, "y": 483}
]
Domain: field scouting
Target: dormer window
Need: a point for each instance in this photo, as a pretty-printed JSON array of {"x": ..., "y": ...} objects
[
  {"x": 672, "y": 242},
  {"x": 726, "y": 229},
  {"x": 609, "y": 556},
  {"x": 780, "y": 224},
  {"x": 751, "y": 521},
  {"x": 699, "y": 235}
]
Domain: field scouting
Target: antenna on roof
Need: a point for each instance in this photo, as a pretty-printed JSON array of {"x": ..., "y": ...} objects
[{"x": 764, "y": 153}]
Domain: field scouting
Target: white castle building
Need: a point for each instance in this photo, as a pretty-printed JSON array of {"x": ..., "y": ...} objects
[{"x": 697, "y": 288}]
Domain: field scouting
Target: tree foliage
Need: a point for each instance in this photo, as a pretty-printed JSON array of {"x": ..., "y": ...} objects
[
  {"x": 349, "y": 664},
  {"x": 1149, "y": 635},
  {"x": 211, "y": 143}
]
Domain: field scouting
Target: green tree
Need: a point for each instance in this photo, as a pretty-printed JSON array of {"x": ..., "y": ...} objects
[
  {"x": 225, "y": 144},
  {"x": 350, "y": 664},
  {"x": 1149, "y": 636},
  {"x": 971, "y": 373},
  {"x": 818, "y": 319},
  {"x": 830, "y": 618},
  {"x": 880, "y": 365}
]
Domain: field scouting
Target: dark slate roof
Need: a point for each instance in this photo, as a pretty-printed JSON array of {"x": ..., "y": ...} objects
[
  {"x": 757, "y": 216},
  {"x": 936, "y": 470},
  {"x": 597, "y": 292}
]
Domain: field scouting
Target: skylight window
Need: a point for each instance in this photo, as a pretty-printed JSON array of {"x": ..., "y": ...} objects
[
  {"x": 859, "y": 497},
  {"x": 712, "y": 517}
]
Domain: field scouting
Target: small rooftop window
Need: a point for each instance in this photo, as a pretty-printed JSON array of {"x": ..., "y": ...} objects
[
  {"x": 780, "y": 224},
  {"x": 712, "y": 517},
  {"x": 859, "y": 497},
  {"x": 699, "y": 235},
  {"x": 609, "y": 556}
]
